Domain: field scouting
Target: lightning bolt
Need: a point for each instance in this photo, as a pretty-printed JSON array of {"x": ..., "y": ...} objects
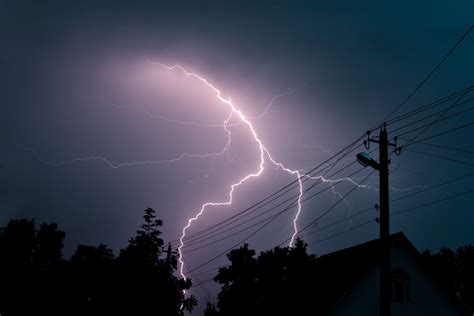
[
  {"x": 112, "y": 165},
  {"x": 264, "y": 157},
  {"x": 182, "y": 156},
  {"x": 196, "y": 124},
  {"x": 143, "y": 162},
  {"x": 264, "y": 153},
  {"x": 270, "y": 104}
]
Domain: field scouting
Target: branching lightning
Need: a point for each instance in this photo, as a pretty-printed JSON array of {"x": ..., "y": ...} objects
[
  {"x": 263, "y": 153},
  {"x": 145, "y": 110},
  {"x": 110, "y": 164},
  {"x": 264, "y": 156}
]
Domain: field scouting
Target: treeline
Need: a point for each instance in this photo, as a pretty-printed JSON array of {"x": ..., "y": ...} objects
[
  {"x": 279, "y": 281},
  {"x": 37, "y": 280},
  {"x": 272, "y": 283},
  {"x": 141, "y": 280},
  {"x": 455, "y": 270}
]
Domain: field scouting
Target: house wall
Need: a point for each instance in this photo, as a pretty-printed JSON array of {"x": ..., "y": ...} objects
[{"x": 426, "y": 298}]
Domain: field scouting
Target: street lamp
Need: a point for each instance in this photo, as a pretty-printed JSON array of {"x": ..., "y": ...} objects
[{"x": 365, "y": 160}]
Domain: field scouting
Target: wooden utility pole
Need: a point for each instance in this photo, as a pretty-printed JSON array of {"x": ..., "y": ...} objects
[
  {"x": 384, "y": 218},
  {"x": 169, "y": 252},
  {"x": 385, "y": 282}
]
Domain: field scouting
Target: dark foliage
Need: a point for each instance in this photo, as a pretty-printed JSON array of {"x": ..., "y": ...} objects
[
  {"x": 455, "y": 269},
  {"x": 263, "y": 285},
  {"x": 287, "y": 281},
  {"x": 36, "y": 280}
]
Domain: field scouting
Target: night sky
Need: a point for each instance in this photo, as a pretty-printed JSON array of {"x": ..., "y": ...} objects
[{"x": 79, "y": 80}]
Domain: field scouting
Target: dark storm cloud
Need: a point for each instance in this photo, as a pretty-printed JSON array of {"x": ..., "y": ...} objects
[{"x": 75, "y": 79}]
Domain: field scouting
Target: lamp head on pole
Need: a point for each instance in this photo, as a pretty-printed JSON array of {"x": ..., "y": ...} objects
[{"x": 365, "y": 160}]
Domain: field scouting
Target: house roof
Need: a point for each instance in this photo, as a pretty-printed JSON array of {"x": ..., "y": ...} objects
[
  {"x": 368, "y": 249},
  {"x": 333, "y": 275}
]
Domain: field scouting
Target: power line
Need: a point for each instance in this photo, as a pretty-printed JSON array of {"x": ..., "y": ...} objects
[
  {"x": 396, "y": 109},
  {"x": 439, "y": 118},
  {"x": 421, "y": 127},
  {"x": 331, "y": 208},
  {"x": 287, "y": 200},
  {"x": 272, "y": 219},
  {"x": 343, "y": 232},
  {"x": 199, "y": 239},
  {"x": 434, "y": 114},
  {"x": 287, "y": 208},
  {"x": 428, "y": 76},
  {"x": 200, "y": 284},
  {"x": 441, "y": 146},
  {"x": 439, "y": 134},
  {"x": 441, "y": 157},
  {"x": 405, "y": 196},
  {"x": 452, "y": 180},
  {"x": 429, "y": 106},
  {"x": 356, "y": 214},
  {"x": 433, "y": 202},
  {"x": 203, "y": 282},
  {"x": 228, "y": 236},
  {"x": 291, "y": 206},
  {"x": 275, "y": 193},
  {"x": 395, "y": 214},
  {"x": 237, "y": 217},
  {"x": 229, "y": 249},
  {"x": 207, "y": 271}
]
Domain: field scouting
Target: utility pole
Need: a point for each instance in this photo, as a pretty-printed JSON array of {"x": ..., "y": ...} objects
[
  {"x": 384, "y": 218},
  {"x": 169, "y": 252},
  {"x": 385, "y": 282}
]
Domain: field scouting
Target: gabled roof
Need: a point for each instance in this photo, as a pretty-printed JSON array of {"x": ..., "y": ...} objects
[
  {"x": 333, "y": 275},
  {"x": 369, "y": 250}
]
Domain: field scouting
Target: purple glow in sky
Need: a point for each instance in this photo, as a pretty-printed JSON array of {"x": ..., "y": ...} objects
[{"x": 108, "y": 132}]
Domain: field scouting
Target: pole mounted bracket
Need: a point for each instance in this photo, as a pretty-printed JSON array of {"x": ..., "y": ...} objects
[
  {"x": 398, "y": 149},
  {"x": 367, "y": 141}
]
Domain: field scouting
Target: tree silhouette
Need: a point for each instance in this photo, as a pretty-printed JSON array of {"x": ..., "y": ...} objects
[
  {"x": 465, "y": 256},
  {"x": 149, "y": 278},
  {"x": 47, "y": 264},
  {"x": 146, "y": 247},
  {"x": 238, "y": 295},
  {"x": 455, "y": 269},
  {"x": 16, "y": 252},
  {"x": 48, "y": 246},
  {"x": 269, "y": 284},
  {"x": 35, "y": 279},
  {"x": 17, "y": 241},
  {"x": 91, "y": 280}
]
